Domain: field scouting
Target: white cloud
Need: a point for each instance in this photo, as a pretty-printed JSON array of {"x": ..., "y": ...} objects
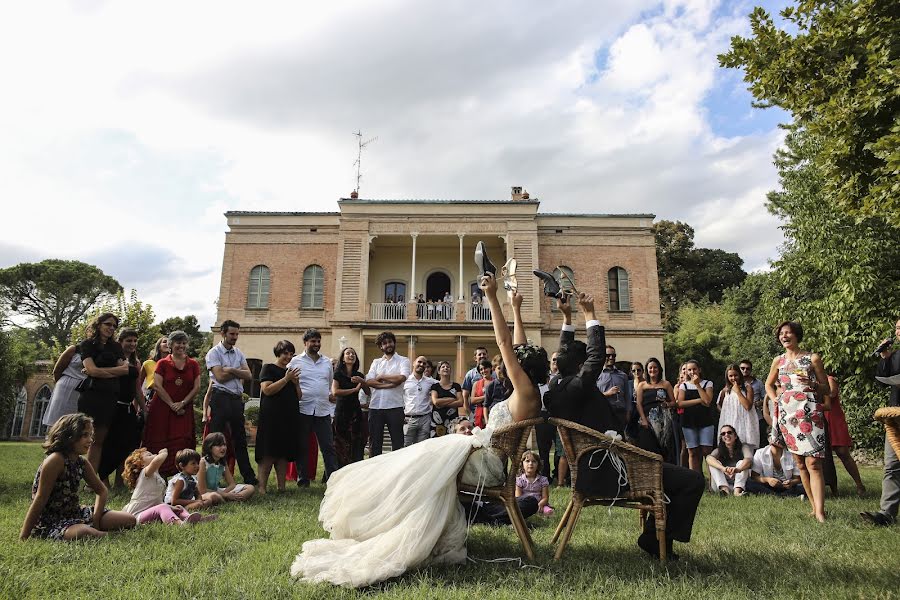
[{"x": 137, "y": 125}]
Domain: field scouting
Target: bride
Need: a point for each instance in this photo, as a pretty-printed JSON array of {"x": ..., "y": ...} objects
[{"x": 399, "y": 511}]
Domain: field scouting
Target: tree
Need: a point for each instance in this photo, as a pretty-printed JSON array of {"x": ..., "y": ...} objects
[
  {"x": 54, "y": 294},
  {"x": 132, "y": 313},
  {"x": 189, "y": 325},
  {"x": 687, "y": 273},
  {"x": 699, "y": 332},
  {"x": 838, "y": 76},
  {"x": 838, "y": 274}
]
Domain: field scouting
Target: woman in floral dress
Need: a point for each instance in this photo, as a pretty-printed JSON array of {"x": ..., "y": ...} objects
[{"x": 800, "y": 416}]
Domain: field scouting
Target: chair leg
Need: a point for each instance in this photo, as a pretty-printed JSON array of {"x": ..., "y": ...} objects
[
  {"x": 562, "y": 522},
  {"x": 518, "y": 522},
  {"x": 570, "y": 526},
  {"x": 661, "y": 536}
]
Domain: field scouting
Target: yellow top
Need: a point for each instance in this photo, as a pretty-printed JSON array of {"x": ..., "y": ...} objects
[{"x": 148, "y": 369}]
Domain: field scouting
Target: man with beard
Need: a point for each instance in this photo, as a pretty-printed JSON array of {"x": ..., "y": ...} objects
[
  {"x": 316, "y": 404},
  {"x": 386, "y": 378},
  {"x": 417, "y": 404}
]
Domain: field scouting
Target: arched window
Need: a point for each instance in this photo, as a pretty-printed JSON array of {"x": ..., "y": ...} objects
[
  {"x": 566, "y": 278},
  {"x": 313, "y": 286},
  {"x": 258, "y": 288},
  {"x": 41, "y": 402},
  {"x": 395, "y": 291},
  {"x": 18, "y": 416},
  {"x": 619, "y": 293}
]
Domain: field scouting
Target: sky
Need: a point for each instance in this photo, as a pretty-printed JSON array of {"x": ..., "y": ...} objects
[{"x": 129, "y": 128}]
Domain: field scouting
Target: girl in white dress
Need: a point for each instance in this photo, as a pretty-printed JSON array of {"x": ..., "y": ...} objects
[
  {"x": 736, "y": 407},
  {"x": 399, "y": 511}
]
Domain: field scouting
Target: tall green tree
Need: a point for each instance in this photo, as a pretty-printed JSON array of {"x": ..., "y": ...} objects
[
  {"x": 838, "y": 74},
  {"x": 53, "y": 295},
  {"x": 838, "y": 274},
  {"x": 689, "y": 274}
]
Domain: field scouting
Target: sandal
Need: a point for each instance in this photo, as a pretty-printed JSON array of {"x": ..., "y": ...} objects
[
  {"x": 508, "y": 273},
  {"x": 564, "y": 278}
]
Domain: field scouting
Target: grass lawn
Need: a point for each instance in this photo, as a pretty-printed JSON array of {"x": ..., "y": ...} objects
[{"x": 742, "y": 548}]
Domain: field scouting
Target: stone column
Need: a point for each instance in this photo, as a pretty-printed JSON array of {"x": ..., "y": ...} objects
[
  {"x": 411, "y": 348},
  {"x": 460, "y": 369},
  {"x": 412, "y": 277},
  {"x": 462, "y": 296}
]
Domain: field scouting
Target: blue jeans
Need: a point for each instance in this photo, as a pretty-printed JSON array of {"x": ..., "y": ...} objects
[
  {"x": 321, "y": 426},
  {"x": 699, "y": 436}
]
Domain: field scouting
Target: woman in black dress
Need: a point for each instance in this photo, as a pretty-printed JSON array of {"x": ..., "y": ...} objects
[
  {"x": 349, "y": 433},
  {"x": 104, "y": 362},
  {"x": 124, "y": 431},
  {"x": 446, "y": 397},
  {"x": 277, "y": 435}
]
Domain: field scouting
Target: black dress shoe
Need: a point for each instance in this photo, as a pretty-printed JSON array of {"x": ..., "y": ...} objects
[
  {"x": 485, "y": 265},
  {"x": 551, "y": 285},
  {"x": 879, "y": 519},
  {"x": 302, "y": 482}
]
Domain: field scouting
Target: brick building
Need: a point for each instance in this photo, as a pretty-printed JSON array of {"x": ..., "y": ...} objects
[
  {"x": 31, "y": 403},
  {"x": 357, "y": 272}
]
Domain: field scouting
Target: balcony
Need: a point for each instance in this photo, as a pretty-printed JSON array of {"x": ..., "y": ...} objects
[{"x": 429, "y": 312}]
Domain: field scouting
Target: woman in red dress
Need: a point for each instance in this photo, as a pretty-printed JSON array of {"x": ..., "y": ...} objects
[
  {"x": 841, "y": 442},
  {"x": 170, "y": 418}
]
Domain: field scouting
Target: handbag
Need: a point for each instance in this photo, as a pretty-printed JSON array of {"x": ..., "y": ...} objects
[{"x": 85, "y": 385}]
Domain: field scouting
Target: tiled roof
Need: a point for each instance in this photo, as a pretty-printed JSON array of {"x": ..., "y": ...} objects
[
  {"x": 240, "y": 213},
  {"x": 431, "y": 201}
]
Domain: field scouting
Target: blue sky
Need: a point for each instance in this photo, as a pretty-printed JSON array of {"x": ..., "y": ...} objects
[{"x": 129, "y": 132}]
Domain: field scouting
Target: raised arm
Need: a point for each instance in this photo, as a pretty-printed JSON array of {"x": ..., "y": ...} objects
[{"x": 518, "y": 327}]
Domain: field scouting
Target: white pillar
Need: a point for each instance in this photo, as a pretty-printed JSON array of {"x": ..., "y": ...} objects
[
  {"x": 412, "y": 279},
  {"x": 462, "y": 298}
]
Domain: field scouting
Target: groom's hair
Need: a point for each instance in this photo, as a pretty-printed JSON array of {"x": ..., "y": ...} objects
[{"x": 570, "y": 356}]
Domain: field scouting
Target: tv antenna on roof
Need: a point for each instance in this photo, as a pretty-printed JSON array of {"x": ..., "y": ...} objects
[{"x": 358, "y": 163}]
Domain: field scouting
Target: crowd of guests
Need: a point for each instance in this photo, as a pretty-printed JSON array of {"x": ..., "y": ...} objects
[{"x": 136, "y": 420}]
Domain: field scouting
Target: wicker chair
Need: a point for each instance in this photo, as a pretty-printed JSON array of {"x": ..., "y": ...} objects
[
  {"x": 644, "y": 470},
  {"x": 890, "y": 416},
  {"x": 510, "y": 440}
]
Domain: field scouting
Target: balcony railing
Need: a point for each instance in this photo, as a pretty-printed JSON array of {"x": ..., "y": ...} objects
[
  {"x": 428, "y": 311},
  {"x": 387, "y": 311}
]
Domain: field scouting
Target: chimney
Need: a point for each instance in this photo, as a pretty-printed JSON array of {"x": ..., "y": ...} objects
[
  {"x": 516, "y": 192},
  {"x": 354, "y": 194}
]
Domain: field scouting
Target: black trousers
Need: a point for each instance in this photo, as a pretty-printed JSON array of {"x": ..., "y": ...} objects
[
  {"x": 545, "y": 434},
  {"x": 755, "y": 487},
  {"x": 494, "y": 513},
  {"x": 378, "y": 418},
  {"x": 228, "y": 409},
  {"x": 684, "y": 488}
]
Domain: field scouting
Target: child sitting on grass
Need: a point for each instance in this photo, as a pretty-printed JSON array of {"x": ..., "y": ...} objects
[
  {"x": 142, "y": 475},
  {"x": 213, "y": 467},
  {"x": 182, "y": 488},
  {"x": 531, "y": 483},
  {"x": 55, "y": 512}
]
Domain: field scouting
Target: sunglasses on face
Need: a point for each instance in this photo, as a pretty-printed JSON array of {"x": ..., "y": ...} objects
[
  {"x": 613, "y": 355},
  {"x": 724, "y": 433}
]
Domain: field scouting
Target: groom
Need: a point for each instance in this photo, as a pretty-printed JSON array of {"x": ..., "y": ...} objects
[{"x": 574, "y": 396}]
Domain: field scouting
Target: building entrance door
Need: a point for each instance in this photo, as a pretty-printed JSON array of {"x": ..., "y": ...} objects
[{"x": 436, "y": 286}]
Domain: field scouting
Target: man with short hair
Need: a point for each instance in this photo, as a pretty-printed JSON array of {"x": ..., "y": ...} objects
[
  {"x": 615, "y": 386},
  {"x": 473, "y": 374},
  {"x": 774, "y": 473},
  {"x": 386, "y": 378},
  {"x": 888, "y": 366},
  {"x": 759, "y": 394},
  {"x": 316, "y": 404},
  {"x": 417, "y": 404},
  {"x": 227, "y": 371}
]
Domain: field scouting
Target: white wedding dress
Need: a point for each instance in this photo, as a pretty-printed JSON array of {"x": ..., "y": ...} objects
[{"x": 383, "y": 514}]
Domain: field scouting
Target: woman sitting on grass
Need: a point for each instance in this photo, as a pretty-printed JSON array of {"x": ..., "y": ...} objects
[
  {"x": 730, "y": 463},
  {"x": 55, "y": 512}
]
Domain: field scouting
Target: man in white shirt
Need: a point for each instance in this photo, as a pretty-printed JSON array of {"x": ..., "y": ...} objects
[
  {"x": 417, "y": 404},
  {"x": 228, "y": 370},
  {"x": 316, "y": 404},
  {"x": 774, "y": 473},
  {"x": 385, "y": 379}
]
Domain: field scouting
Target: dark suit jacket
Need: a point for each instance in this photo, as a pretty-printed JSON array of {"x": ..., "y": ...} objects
[
  {"x": 576, "y": 397},
  {"x": 888, "y": 367}
]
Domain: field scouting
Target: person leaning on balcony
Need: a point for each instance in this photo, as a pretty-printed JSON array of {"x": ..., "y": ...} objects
[{"x": 386, "y": 377}]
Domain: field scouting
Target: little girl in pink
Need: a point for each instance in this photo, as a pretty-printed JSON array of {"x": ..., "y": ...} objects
[{"x": 142, "y": 474}]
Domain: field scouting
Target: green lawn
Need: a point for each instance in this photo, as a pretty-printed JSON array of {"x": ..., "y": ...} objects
[{"x": 742, "y": 548}]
